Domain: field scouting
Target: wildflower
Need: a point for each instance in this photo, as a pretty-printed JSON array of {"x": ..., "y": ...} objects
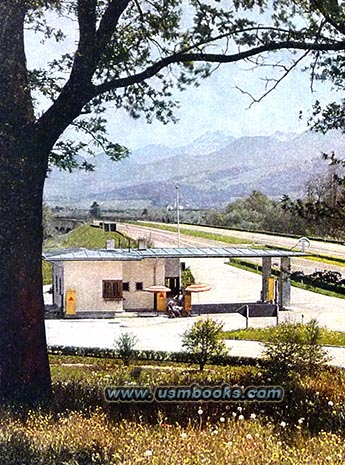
[
  {"x": 249, "y": 436},
  {"x": 252, "y": 416},
  {"x": 184, "y": 435},
  {"x": 215, "y": 431},
  {"x": 239, "y": 409},
  {"x": 241, "y": 417},
  {"x": 330, "y": 403},
  {"x": 234, "y": 414},
  {"x": 148, "y": 453},
  {"x": 229, "y": 443},
  {"x": 222, "y": 419},
  {"x": 200, "y": 411},
  {"x": 283, "y": 424},
  {"x": 279, "y": 443},
  {"x": 300, "y": 421}
]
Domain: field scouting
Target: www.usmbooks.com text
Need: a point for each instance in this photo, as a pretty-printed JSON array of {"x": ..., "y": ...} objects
[{"x": 194, "y": 393}]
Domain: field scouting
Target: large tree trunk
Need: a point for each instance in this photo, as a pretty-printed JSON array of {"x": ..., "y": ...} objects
[{"x": 24, "y": 368}]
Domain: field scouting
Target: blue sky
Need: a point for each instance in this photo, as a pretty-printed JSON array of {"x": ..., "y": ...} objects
[{"x": 215, "y": 105}]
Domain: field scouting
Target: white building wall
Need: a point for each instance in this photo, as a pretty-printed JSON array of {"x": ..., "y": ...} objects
[
  {"x": 86, "y": 277},
  {"x": 149, "y": 271}
]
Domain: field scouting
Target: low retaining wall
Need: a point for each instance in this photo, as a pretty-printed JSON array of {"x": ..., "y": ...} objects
[{"x": 255, "y": 309}]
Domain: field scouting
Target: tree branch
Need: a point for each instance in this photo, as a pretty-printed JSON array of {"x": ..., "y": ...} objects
[
  {"x": 276, "y": 81},
  {"x": 87, "y": 25},
  {"x": 109, "y": 22},
  {"x": 333, "y": 7},
  {"x": 212, "y": 58}
]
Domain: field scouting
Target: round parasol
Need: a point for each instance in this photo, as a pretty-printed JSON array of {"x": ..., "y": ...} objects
[
  {"x": 157, "y": 289},
  {"x": 199, "y": 287}
]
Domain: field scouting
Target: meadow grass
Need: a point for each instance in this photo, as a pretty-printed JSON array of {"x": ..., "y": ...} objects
[{"x": 80, "y": 428}]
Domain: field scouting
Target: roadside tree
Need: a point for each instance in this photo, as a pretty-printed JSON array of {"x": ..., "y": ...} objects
[
  {"x": 95, "y": 210},
  {"x": 132, "y": 53},
  {"x": 204, "y": 341}
]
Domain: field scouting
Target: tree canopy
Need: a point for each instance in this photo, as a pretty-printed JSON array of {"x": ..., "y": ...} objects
[{"x": 134, "y": 53}]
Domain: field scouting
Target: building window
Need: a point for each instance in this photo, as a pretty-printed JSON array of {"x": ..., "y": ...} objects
[
  {"x": 125, "y": 287},
  {"x": 139, "y": 286},
  {"x": 112, "y": 290}
]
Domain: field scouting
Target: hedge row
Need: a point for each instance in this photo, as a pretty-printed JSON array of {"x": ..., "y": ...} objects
[{"x": 151, "y": 355}]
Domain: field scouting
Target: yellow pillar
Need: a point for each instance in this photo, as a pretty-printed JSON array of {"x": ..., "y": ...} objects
[
  {"x": 270, "y": 289},
  {"x": 71, "y": 302},
  {"x": 161, "y": 301},
  {"x": 188, "y": 302}
]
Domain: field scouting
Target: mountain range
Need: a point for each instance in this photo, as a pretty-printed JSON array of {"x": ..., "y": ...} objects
[{"x": 210, "y": 171}]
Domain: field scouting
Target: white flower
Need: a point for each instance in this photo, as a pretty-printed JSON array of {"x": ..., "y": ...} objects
[
  {"x": 279, "y": 443},
  {"x": 234, "y": 414},
  {"x": 215, "y": 431},
  {"x": 300, "y": 421},
  {"x": 222, "y": 419},
  {"x": 241, "y": 417},
  {"x": 184, "y": 435},
  {"x": 200, "y": 411},
  {"x": 229, "y": 443},
  {"x": 252, "y": 416},
  {"x": 330, "y": 403},
  {"x": 249, "y": 436},
  {"x": 148, "y": 453},
  {"x": 283, "y": 424},
  {"x": 239, "y": 409}
]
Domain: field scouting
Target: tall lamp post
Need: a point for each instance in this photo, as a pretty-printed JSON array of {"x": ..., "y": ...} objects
[
  {"x": 178, "y": 214},
  {"x": 177, "y": 207}
]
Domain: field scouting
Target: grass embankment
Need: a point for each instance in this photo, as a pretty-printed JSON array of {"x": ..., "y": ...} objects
[
  {"x": 255, "y": 268},
  {"x": 83, "y": 236},
  {"x": 80, "y": 428},
  {"x": 327, "y": 337},
  {"x": 194, "y": 233},
  {"x": 313, "y": 257}
]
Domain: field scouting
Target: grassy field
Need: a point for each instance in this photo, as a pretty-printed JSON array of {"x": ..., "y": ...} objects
[
  {"x": 328, "y": 337},
  {"x": 194, "y": 233},
  {"x": 83, "y": 236},
  {"x": 80, "y": 428},
  {"x": 86, "y": 236}
]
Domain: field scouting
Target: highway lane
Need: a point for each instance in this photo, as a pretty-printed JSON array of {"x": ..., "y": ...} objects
[
  {"x": 316, "y": 247},
  {"x": 162, "y": 238}
]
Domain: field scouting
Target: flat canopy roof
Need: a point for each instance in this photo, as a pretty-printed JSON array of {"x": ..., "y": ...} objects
[{"x": 191, "y": 252}]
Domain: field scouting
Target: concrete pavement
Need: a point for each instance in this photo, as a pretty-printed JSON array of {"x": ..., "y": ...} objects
[{"x": 156, "y": 333}]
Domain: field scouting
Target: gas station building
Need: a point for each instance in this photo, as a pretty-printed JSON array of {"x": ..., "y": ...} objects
[{"x": 104, "y": 282}]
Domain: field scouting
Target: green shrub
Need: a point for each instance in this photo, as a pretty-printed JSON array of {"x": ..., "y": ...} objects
[
  {"x": 204, "y": 341},
  {"x": 295, "y": 349},
  {"x": 124, "y": 346}
]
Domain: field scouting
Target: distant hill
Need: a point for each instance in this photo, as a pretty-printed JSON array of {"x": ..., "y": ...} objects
[{"x": 211, "y": 171}]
